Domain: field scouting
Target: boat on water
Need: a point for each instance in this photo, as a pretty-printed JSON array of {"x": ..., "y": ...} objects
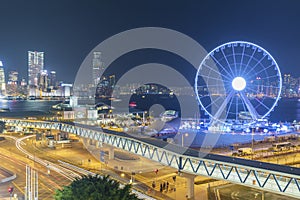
[
  {"x": 4, "y": 110},
  {"x": 103, "y": 108},
  {"x": 62, "y": 106},
  {"x": 245, "y": 115},
  {"x": 169, "y": 115}
]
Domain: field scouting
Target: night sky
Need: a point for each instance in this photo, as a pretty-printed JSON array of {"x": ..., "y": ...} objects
[{"x": 67, "y": 30}]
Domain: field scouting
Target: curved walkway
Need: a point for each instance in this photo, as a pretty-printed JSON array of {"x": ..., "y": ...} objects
[{"x": 6, "y": 175}]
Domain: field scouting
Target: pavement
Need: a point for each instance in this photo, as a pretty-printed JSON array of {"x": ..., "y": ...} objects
[
  {"x": 238, "y": 192},
  {"x": 146, "y": 176},
  {"x": 143, "y": 168}
]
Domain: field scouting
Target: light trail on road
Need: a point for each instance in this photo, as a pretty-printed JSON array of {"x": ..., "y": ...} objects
[
  {"x": 70, "y": 175},
  {"x": 71, "y": 172}
]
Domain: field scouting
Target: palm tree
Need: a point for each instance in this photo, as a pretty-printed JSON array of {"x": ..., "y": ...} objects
[{"x": 95, "y": 188}]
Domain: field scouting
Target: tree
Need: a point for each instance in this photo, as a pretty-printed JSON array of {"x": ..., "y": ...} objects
[
  {"x": 2, "y": 126},
  {"x": 95, "y": 188}
]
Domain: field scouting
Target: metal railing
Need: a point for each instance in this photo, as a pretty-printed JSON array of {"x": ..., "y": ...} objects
[{"x": 280, "y": 179}]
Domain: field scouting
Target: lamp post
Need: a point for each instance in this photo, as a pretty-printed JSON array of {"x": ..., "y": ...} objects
[
  {"x": 144, "y": 117},
  {"x": 252, "y": 144},
  {"x": 182, "y": 138},
  {"x": 143, "y": 121},
  {"x": 132, "y": 178}
]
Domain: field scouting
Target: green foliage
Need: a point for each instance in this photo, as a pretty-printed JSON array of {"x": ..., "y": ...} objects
[
  {"x": 2, "y": 126},
  {"x": 95, "y": 188}
]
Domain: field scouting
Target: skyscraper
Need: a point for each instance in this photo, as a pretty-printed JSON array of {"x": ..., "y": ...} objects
[
  {"x": 43, "y": 80},
  {"x": 52, "y": 79},
  {"x": 97, "y": 66},
  {"x": 2, "y": 80},
  {"x": 286, "y": 79},
  {"x": 12, "y": 83},
  {"x": 13, "y": 76},
  {"x": 35, "y": 65},
  {"x": 23, "y": 87}
]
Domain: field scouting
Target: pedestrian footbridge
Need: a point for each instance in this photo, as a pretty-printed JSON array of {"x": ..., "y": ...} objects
[{"x": 280, "y": 179}]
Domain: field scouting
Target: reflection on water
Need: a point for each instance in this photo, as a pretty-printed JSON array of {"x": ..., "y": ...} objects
[
  {"x": 287, "y": 110},
  {"x": 28, "y": 105}
]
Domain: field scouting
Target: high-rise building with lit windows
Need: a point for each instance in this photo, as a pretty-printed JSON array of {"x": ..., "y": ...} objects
[
  {"x": 13, "y": 76},
  {"x": 35, "y": 66},
  {"x": 97, "y": 66},
  {"x": 52, "y": 79},
  {"x": 23, "y": 87},
  {"x": 43, "y": 81},
  {"x": 12, "y": 83},
  {"x": 286, "y": 79},
  {"x": 2, "y": 80}
]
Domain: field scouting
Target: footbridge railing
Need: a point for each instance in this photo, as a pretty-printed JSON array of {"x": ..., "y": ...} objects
[{"x": 280, "y": 179}]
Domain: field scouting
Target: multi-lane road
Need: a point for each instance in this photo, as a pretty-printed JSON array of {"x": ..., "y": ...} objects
[
  {"x": 15, "y": 161},
  {"x": 17, "y": 152}
]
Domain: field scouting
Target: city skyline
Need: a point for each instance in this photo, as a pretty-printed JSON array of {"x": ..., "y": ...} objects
[
  {"x": 81, "y": 26},
  {"x": 10, "y": 80}
]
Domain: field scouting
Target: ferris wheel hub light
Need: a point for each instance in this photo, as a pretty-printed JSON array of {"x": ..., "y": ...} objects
[{"x": 239, "y": 83}]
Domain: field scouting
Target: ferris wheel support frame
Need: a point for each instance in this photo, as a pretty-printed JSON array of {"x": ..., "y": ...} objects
[{"x": 250, "y": 107}]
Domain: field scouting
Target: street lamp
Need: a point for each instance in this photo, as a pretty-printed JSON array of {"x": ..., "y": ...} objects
[
  {"x": 182, "y": 138},
  {"x": 131, "y": 178},
  {"x": 144, "y": 117},
  {"x": 252, "y": 143}
]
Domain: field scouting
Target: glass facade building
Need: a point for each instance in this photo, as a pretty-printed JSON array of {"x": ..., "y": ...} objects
[
  {"x": 97, "y": 66},
  {"x": 2, "y": 80},
  {"x": 35, "y": 66}
]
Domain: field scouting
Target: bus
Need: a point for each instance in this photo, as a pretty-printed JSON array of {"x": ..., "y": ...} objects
[
  {"x": 283, "y": 146},
  {"x": 245, "y": 151}
]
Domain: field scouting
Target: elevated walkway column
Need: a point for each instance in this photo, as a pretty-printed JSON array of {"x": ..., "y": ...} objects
[
  {"x": 111, "y": 153},
  {"x": 190, "y": 180},
  {"x": 99, "y": 144}
]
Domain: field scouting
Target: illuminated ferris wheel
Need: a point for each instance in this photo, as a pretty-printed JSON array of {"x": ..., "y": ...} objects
[{"x": 238, "y": 81}]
